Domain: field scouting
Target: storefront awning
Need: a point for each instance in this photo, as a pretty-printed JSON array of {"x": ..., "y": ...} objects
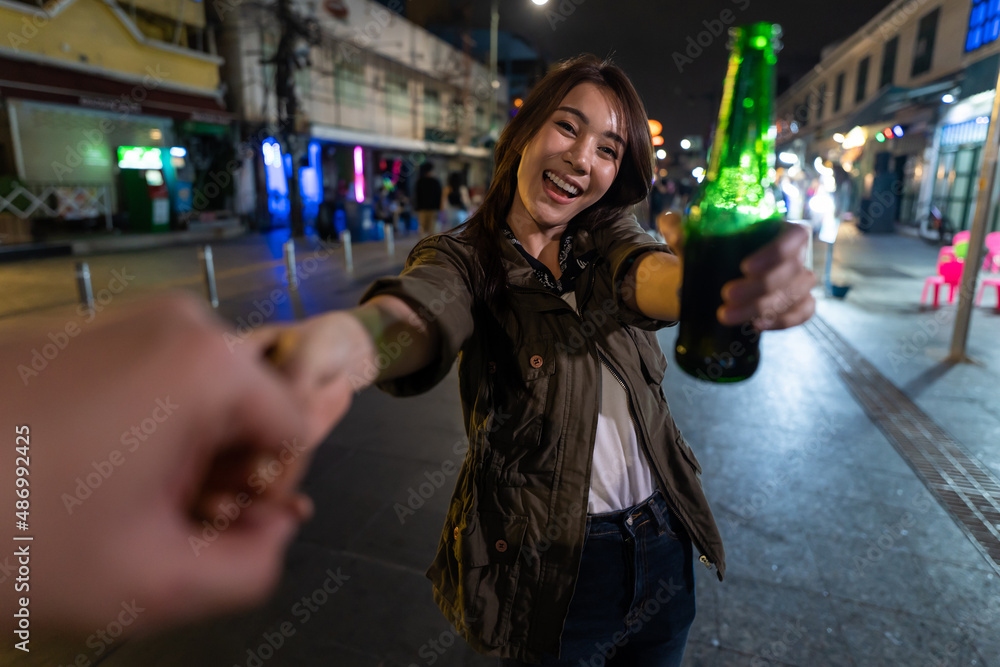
[
  {"x": 340, "y": 135},
  {"x": 22, "y": 79},
  {"x": 980, "y": 76}
]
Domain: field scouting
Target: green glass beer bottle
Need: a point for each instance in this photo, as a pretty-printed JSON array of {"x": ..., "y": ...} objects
[{"x": 736, "y": 212}]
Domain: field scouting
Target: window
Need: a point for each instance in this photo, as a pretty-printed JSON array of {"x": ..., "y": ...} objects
[
  {"x": 889, "y": 61},
  {"x": 860, "y": 91},
  {"x": 820, "y": 101},
  {"x": 923, "y": 51},
  {"x": 984, "y": 24},
  {"x": 349, "y": 83},
  {"x": 432, "y": 108},
  {"x": 838, "y": 95},
  {"x": 397, "y": 94}
]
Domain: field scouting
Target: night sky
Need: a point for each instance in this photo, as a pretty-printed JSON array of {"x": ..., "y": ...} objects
[{"x": 642, "y": 35}]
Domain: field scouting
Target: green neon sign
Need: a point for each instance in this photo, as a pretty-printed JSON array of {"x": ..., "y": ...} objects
[{"x": 139, "y": 157}]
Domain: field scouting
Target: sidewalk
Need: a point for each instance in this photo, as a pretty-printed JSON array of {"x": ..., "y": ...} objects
[
  {"x": 837, "y": 554},
  {"x": 245, "y": 268},
  {"x": 99, "y": 242},
  {"x": 882, "y": 318}
]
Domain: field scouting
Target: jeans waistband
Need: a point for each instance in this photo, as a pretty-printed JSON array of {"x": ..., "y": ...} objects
[{"x": 654, "y": 508}]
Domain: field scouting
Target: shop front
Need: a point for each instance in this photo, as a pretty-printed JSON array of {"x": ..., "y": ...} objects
[
  {"x": 959, "y": 144},
  {"x": 70, "y": 137}
]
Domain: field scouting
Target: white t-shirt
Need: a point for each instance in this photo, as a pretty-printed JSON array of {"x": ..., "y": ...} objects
[{"x": 620, "y": 476}]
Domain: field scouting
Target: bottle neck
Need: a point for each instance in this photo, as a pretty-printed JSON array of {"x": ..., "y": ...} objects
[
  {"x": 739, "y": 189},
  {"x": 744, "y": 138}
]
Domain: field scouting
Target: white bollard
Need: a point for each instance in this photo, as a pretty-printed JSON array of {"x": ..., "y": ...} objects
[
  {"x": 293, "y": 273},
  {"x": 83, "y": 285},
  {"x": 208, "y": 268},
  {"x": 390, "y": 240},
  {"x": 348, "y": 256}
]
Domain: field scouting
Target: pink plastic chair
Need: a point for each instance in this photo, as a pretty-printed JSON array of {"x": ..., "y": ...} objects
[
  {"x": 992, "y": 260},
  {"x": 988, "y": 282},
  {"x": 947, "y": 254},
  {"x": 949, "y": 273}
]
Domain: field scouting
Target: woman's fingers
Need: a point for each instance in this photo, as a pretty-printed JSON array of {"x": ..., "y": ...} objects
[
  {"x": 769, "y": 299},
  {"x": 795, "y": 315},
  {"x": 787, "y": 246}
]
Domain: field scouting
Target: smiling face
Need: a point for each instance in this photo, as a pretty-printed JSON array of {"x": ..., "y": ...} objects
[{"x": 570, "y": 163}]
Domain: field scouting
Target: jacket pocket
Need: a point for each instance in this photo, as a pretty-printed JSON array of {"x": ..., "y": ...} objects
[
  {"x": 487, "y": 550},
  {"x": 688, "y": 454},
  {"x": 536, "y": 362},
  {"x": 654, "y": 364}
]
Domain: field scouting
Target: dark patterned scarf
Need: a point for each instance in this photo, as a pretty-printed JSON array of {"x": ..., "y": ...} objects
[{"x": 570, "y": 265}]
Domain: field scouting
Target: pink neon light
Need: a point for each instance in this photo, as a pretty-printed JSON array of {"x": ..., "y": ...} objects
[{"x": 359, "y": 175}]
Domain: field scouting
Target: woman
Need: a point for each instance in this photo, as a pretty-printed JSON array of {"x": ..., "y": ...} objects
[{"x": 569, "y": 535}]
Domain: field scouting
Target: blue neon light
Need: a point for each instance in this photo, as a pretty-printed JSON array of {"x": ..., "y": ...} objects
[
  {"x": 311, "y": 183},
  {"x": 984, "y": 24},
  {"x": 277, "y": 183}
]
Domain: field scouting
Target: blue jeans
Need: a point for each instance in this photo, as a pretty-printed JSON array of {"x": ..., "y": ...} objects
[{"x": 634, "y": 598}]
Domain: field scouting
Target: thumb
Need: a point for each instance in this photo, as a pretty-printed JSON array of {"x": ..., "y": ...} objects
[{"x": 670, "y": 224}]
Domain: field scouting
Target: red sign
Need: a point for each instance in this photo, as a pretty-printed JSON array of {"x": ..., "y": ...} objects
[{"x": 336, "y": 8}]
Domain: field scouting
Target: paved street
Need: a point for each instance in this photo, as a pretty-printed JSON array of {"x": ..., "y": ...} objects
[{"x": 837, "y": 552}]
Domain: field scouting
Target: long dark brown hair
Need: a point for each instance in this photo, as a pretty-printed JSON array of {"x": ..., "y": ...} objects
[{"x": 630, "y": 187}]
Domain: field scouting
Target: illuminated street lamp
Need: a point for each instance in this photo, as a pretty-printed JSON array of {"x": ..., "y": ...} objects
[
  {"x": 494, "y": 82},
  {"x": 686, "y": 144}
]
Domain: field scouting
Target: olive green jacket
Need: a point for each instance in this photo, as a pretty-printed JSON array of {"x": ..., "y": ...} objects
[{"x": 509, "y": 555}]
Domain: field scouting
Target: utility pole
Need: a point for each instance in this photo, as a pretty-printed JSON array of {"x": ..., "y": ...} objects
[
  {"x": 294, "y": 29},
  {"x": 974, "y": 257}
]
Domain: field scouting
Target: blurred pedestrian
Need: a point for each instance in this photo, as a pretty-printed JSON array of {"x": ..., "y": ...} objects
[
  {"x": 661, "y": 199},
  {"x": 579, "y": 500},
  {"x": 456, "y": 200},
  {"x": 428, "y": 198}
]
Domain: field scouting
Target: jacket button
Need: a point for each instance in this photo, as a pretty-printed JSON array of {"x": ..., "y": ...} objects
[
  {"x": 501, "y": 546},
  {"x": 458, "y": 531},
  {"x": 536, "y": 361}
]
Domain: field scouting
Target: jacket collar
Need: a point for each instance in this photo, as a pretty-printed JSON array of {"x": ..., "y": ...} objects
[{"x": 520, "y": 273}]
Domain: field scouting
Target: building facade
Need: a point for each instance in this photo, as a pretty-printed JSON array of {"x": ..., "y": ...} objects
[
  {"x": 902, "y": 106},
  {"x": 110, "y": 111},
  {"x": 378, "y": 95}
]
